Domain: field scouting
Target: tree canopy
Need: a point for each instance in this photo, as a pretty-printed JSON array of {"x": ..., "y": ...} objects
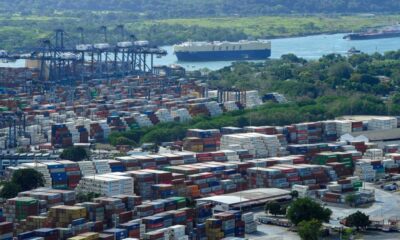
[
  {"x": 306, "y": 209},
  {"x": 351, "y": 199},
  {"x": 309, "y": 230},
  {"x": 86, "y": 197},
  {"x": 358, "y": 220},
  {"x": 320, "y": 89},
  {"x": 275, "y": 208},
  {"x": 299, "y": 78},
  {"x": 22, "y": 180},
  {"x": 9, "y": 190},
  {"x": 74, "y": 154},
  {"x": 28, "y": 179},
  {"x": 203, "y": 8}
]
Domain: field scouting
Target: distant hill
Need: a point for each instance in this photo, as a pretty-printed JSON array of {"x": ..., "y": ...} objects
[{"x": 202, "y": 8}]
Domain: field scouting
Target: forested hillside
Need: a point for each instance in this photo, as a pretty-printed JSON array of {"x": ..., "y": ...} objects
[
  {"x": 198, "y": 8},
  {"x": 322, "y": 89}
]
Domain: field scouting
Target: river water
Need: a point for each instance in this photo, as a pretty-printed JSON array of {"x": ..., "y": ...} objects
[{"x": 310, "y": 47}]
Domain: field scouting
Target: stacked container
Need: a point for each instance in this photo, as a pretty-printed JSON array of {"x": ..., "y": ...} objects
[
  {"x": 6, "y": 231},
  {"x": 20, "y": 208},
  {"x": 87, "y": 168},
  {"x": 118, "y": 233},
  {"x": 373, "y": 153},
  {"x": 74, "y": 132},
  {"x": 213, "y": 108},
  {"x": 391, "y": 148},
  {"x": 343, "y": 127},
  {"x": 144, "y": 181},
  {"x": 96, "y": 132},
  {"x": 63, "y": 215},
  {"x": 209, "y": 139},
  {"x": 106, "y": 185},
  {"x": 329, "y": 130},
  {"x": 106, "y": 129},
  {"x": 253, "y": 99},
  {"x": 181, "y": 114},
  {"x": 58, "y": 175},
  {"x": 231, "y": 106},
  {"x": 132, "y": 228},
  {"x": 249, "y": 223},
  {"x": 115, "y": 166},
  {"x": 73, "y": 173},
  {"x": 142, "y": 120},
  {"x": 113, "y": 208},
  {"x": 357, "y": 126},
  {"x": 47, "y": 233},
  {"x": 258, "y": 145},
  {"x": 164, "y": 115},
  {"x": 223, "y": 225},
  {"x": 61, "y": 136},
  {"x": 101, "y": 166},
  {"x": 382, "y": 123}
]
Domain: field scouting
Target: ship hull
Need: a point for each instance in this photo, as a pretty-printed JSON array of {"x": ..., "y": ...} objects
[
  {"x": 203, "y": 56},
  {"x": 371, "y": 36}
]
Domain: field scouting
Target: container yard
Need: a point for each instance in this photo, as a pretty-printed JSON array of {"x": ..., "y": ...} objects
[
  {"x": 101, "y": 107},
  {"x": 206, "y": 184},
  {"x": 145, "y": 196},
  {"x": 229, "y": 173}
]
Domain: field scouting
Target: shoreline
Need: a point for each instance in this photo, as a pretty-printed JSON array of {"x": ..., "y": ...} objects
[
  {"x": 307, "y": 35},
  {"x": 273, "y": 37}
]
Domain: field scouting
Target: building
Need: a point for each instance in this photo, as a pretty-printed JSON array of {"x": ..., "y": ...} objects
[
  {"x": 15, "y": 159},
  {"x": 380, "y": 137},
  {"x": 247, "y": 199}
]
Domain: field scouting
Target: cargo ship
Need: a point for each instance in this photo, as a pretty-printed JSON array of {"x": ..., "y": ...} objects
[
  {"x": 387, "y": 32},
  {"x": 223, "y": 51}
]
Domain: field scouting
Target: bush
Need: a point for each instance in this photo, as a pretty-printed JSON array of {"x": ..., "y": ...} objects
[
  {"x": 75, "y": 154},
  {"x": 10, "y": 190},
  {"x": 306, "y": 209},
  {"x": 309, "y": 230},
  {"x": 27, "y": 179}
]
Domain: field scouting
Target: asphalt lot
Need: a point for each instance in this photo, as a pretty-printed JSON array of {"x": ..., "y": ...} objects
[
  {"x": 381, "y": 236},
  {"x": 387, "y": 205},
  {"x": 270, "y": 232}
]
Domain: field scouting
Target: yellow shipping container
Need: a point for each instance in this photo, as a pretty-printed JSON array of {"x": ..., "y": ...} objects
[
  {"x": 90, "y": 235},
  {"x": 77, "y": 238}
]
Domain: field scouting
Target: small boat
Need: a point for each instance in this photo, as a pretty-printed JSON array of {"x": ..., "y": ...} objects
[{"x": 353, "y": 51}]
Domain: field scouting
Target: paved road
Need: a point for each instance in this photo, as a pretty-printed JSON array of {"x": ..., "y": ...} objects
[
  {"x": 381, "y": 236},
  {"x": 270, "y": 232},
  {"x": 387, "y": 205}
]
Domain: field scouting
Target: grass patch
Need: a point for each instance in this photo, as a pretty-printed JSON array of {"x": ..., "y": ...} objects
[{"x": 277, "y": 26}]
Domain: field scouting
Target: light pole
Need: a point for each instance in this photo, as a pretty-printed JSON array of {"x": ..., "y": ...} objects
[{"x": 116, "y": 219}]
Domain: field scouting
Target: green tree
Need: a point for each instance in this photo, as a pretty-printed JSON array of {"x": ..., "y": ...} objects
[
  {"x": 340, "y": 71},
  {"x": 294, "y": 194},
  {"x": 309, "y": 230},
  {"x": 86, "y": 197},
  {"x": 351, "y": 199},
  {"x": 364, "y": 79},
  {"x": 358, "y": 220},
  {"x": 123, "y": 141},
  {"x": 9, "y": 190},
  {"x": 74, "y": 154},
  {"x": 190, "y": 203},
  {"x": 273, "y": 208},
  {"x": 27, "y": 179},
  {"x": 347, "y": 233},
  {"x": 306, "y": 209},
  {"x": 22, "y": 150}
]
